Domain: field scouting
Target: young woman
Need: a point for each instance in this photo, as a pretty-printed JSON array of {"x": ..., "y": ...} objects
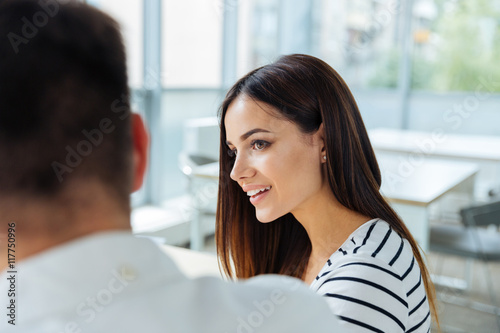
[{"x": 299, "y": 195}]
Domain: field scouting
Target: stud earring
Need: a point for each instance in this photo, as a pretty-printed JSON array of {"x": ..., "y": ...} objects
[{"x": 324, "y": 157}]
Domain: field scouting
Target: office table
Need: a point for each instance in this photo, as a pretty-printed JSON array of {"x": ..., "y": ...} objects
[
  {"x": 193, "y": 263},
  {"x": 483, "y": 150},
  {"x": 409, "y": 191}
]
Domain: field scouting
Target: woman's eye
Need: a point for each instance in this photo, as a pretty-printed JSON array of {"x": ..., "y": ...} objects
[{"x": 259, "y": 144}]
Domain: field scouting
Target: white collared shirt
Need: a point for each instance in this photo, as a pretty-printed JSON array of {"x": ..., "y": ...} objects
[{"x": 115, "y": 282}]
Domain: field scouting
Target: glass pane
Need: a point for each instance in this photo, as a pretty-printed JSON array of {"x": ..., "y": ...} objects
[
  {"x": 456, "y": 45},
  {"x": 129, "y": 15},
  {"x": 257, "y": 34},
  {"x": 192, "y": 43},
  {"x": 359, "y": 38},
  {"x": 180, "y": 105}
]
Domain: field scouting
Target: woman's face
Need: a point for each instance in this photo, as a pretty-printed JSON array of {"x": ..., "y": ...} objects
[{"x": 278, "y": 166}]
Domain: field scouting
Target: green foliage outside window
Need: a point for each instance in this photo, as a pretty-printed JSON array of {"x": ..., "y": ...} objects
[{"x": 463, "y": 51}]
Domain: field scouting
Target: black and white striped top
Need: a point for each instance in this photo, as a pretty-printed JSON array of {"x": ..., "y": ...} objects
[{"x": 373, "y": 282}]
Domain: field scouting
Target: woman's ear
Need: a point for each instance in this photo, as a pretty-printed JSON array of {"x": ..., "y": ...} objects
[{"x": 319, "y": 138}]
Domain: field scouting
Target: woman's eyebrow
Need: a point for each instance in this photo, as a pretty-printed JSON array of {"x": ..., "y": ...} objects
[{"x": 245, "y": 136}]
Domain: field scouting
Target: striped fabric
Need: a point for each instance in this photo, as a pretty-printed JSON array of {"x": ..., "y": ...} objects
[{"x": 373, "y": 283}]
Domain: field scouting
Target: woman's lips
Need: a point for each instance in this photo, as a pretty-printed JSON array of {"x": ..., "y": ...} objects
[{"x": 257, "y": 198}]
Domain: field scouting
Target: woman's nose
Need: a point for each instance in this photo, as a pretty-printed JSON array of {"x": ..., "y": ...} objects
[{"x": 241, "y": 168}]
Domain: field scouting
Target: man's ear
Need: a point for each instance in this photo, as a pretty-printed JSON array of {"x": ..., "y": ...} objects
[{"x": 140, "y": 148}]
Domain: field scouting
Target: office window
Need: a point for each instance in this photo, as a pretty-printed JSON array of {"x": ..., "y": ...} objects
[
  {"x": 257, "y": 33},
  {"x": 129, "y": 15},
  {"x": 456, "y": 45},
  {"x": 191, "y": 43},
  {"x": 360, "y": 39}
]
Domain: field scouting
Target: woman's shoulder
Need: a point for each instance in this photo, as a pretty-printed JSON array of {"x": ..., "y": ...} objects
[
  {"x": 375, "y": 270},
  {"x": 374, "y": 248},
  {"x": 376, "y": 241}
]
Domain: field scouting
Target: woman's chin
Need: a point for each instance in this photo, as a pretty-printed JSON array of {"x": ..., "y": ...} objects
[{"x": 266, "y": 218}]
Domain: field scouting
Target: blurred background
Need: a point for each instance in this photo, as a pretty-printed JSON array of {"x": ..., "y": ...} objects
[
  {"x": 420, "y": 70},
  {"x": 408, "y": 63}
]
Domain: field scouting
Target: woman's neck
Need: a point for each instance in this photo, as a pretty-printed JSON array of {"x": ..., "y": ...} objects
[{"x": 328, "y": 225}]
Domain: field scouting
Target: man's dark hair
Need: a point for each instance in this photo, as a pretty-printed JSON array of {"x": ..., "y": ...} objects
[{"x": 64, "y": 99}]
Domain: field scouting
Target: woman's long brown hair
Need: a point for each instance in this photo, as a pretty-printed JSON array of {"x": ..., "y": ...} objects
[{"x": 306, "y": 91}]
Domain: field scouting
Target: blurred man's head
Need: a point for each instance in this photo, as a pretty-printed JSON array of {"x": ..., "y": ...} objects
[
  {"x": 70, "y": 149},
  {"x": 64, "y": 101}
]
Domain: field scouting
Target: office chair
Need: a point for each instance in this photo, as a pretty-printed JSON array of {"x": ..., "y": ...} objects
[
  {"x": 202, "y": 192},
  {"x": 473, "y": 241}
]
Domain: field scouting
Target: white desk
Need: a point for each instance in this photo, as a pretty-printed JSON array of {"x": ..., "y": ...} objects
[
  {"x": 415, "y": 145},
  {"x": 193, "y": 263},
  {"x": 409, "y": 191}
]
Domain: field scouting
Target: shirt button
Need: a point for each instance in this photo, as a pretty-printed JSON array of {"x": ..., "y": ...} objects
[{"x": 128, "y": 273}]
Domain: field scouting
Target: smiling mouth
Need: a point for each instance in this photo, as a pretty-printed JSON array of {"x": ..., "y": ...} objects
[{"x": 255, "y": 193}]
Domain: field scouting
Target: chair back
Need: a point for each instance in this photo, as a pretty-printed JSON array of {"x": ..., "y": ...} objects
[{"x": 482, "y": 215}]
